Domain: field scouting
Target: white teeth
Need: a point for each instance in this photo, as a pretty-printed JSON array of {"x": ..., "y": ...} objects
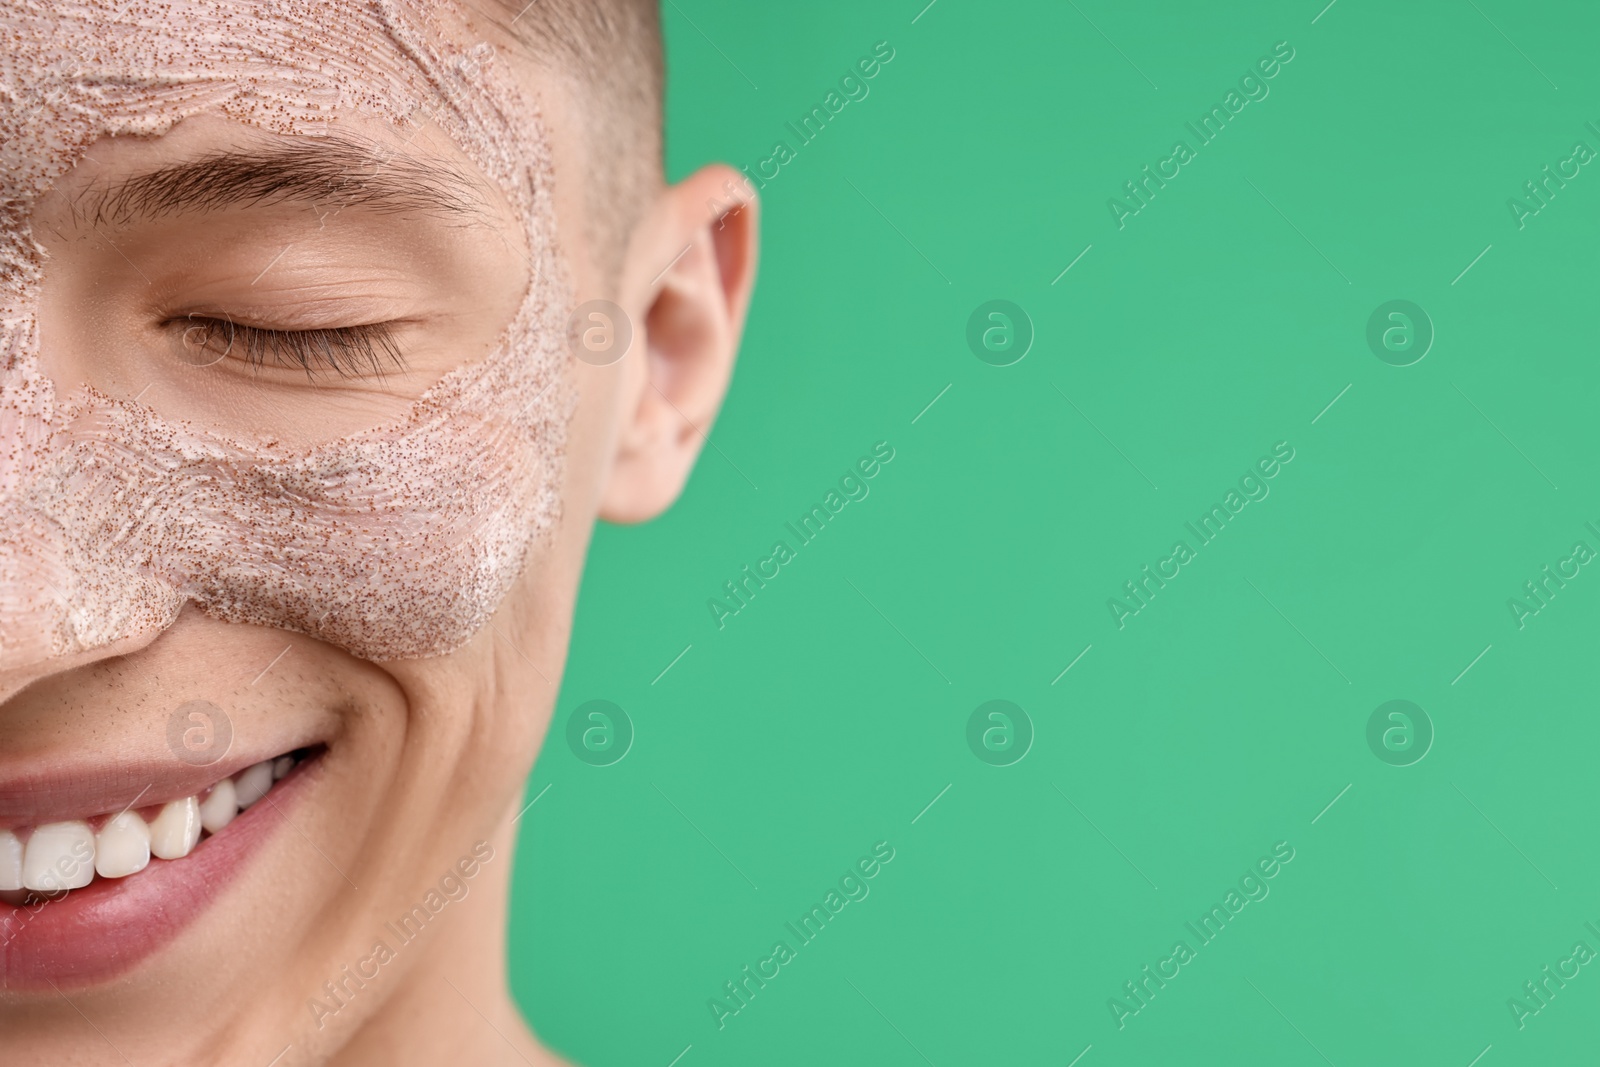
[
  {"x": 122, "y": 847},
  {"x": 59, "y": 855},
  {"x": 218, "y": 809},
  {"x": 10, "y": 861},
  {"x": 175, "y": 832},
  {"x": 253, "y": 783}
]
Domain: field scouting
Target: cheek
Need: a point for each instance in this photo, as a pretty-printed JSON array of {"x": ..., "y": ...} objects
[
  {"x": 491, "y": 701},
  {"x": 396, "y": 543}
]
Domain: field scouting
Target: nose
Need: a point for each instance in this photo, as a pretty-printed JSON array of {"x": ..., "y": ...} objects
[{"x": 60, "y": 608}]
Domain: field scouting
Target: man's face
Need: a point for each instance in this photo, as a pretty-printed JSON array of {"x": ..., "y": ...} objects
[{"x": 307, "y": 482}]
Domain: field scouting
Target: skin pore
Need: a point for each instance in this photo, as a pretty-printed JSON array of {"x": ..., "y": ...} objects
[{"x": 422, "y": 759}]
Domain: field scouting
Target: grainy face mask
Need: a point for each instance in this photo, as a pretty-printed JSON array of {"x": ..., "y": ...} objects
[{"x": 395, "y": 542}]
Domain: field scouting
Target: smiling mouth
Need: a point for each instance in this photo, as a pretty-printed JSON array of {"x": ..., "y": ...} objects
[
  {"x": 41, "y": 862},
  {"x": 89, "y": 898}
]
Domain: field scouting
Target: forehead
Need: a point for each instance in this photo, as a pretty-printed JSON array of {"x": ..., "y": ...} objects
[{"x": 76, "y": 71}]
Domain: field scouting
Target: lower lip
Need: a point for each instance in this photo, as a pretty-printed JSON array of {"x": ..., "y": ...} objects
[{"x": 111, "y": 925}]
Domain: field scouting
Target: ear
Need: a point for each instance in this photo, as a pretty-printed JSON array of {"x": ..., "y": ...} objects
[{"x": 689, "y": 270}]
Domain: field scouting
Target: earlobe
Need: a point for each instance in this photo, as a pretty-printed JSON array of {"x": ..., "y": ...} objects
[{"x": 691, "y": 272}]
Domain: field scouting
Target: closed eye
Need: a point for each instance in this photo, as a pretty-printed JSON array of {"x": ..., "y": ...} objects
[{"x": 349, "y": 351}]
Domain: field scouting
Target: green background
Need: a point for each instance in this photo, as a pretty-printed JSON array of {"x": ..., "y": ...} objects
[{"x": 1229, "y": 713}]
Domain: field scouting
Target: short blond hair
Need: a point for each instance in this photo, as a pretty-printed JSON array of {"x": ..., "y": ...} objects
[{"x": 612, "y": 52}]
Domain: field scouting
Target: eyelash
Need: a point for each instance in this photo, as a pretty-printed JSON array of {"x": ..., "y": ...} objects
[{"x": 348, "y": 351}]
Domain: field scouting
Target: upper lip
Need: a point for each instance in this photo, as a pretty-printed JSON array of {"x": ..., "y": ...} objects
[{"x": 84, "y": 789}]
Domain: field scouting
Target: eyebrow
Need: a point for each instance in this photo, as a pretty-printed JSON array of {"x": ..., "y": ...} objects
[{"x": 336, "y": 171}]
